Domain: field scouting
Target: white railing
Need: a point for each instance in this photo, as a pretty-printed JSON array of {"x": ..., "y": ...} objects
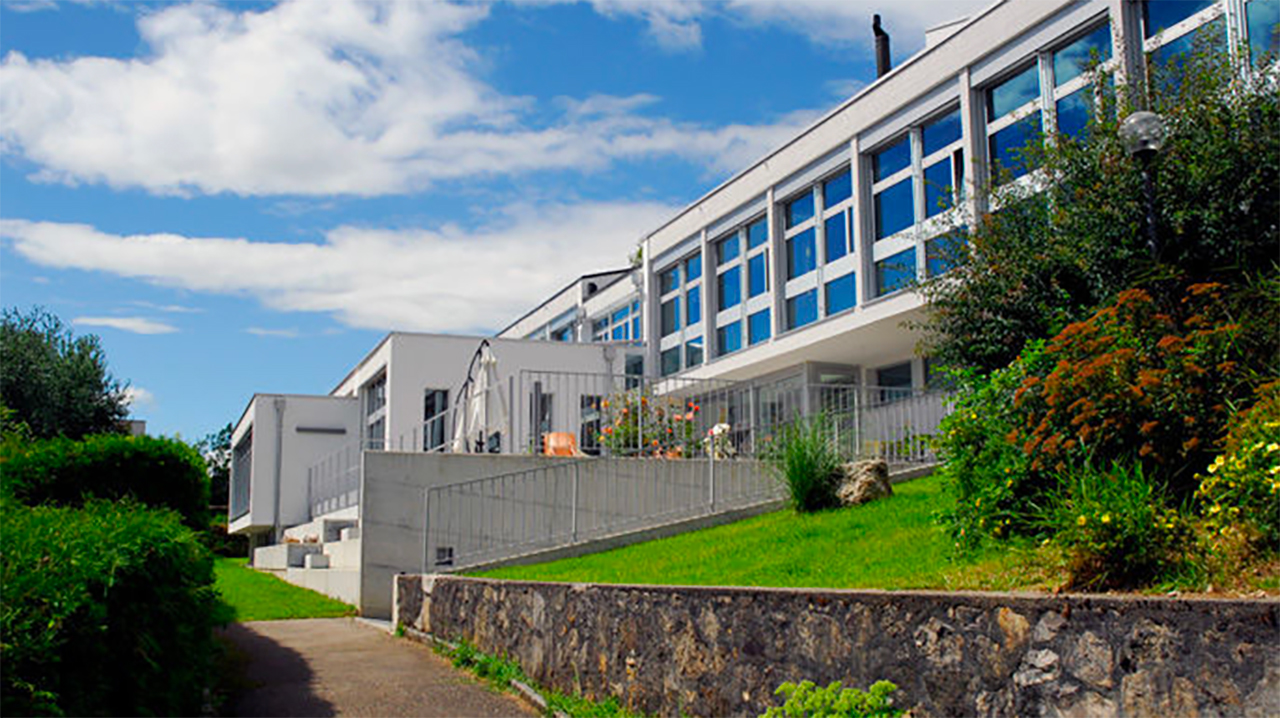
[
  {"x": 333, "y": 483},
  {"x": 500, "y": 517}
]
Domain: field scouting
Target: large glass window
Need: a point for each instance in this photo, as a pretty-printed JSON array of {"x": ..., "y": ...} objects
[
  {"x": 757, "y": 233},
  {"x": 894, "y": 209},
  {"x": 1164, "y": 14},
  {"x": 1073, "y": 112},
  {"x": 759, "y": 326},
  {"x": 802, "y": 309},
  {"x": 944, "y": 252},
  {"x": 894, "y": 382},
  {"x": 1263, "y": 20},
  {"x": 1007, "y": 145},
  {"x": 1074, "y": 59},
  {"x": 693, "y": 267},
  {"x": 837, "y": 189},
  {"x": 942, "y": 132},
  {"x": 728, "y": 338},
  {"x": 757, "y": 275},
  {"x": 892, "y": 159},
  {"x": 939, "y": 191},
  {"x": 895, "y": 272},
  {"x": 670, "y": 316},
  {"x": 799, "y": 210},
  {"x": 434, "y": 405},
  {"x": 801, "y": 257},
  {"x": 669, "y": 280},
  {"x": 836, "y": 237},
  {"x": 670, "y": 361},
  {"x": 693, "y": 306},
  {"x": 727, "y": 249},
  {"x": 1013, "y": 93},
  {"x": 693, "y": 353},
  {"x": 729, "y": 288},
  {"x": 841, "y": 294}
]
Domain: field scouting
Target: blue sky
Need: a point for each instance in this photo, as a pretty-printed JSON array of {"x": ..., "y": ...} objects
[{"x": 245, "y": 197}]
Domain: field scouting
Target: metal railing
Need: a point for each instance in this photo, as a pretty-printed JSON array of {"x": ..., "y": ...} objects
[
  {"x": 615, "y": 415},
  {"x": 499, "y": 517},
  {"x": 333, "y": 483}
]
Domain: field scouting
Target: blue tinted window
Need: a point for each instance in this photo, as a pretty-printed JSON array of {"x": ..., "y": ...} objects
[
  {"x": 670, "y": 360},
  {"x": 620, "y": 315},
  {"x": 799, "y": 209},
  {"x": 837, "y": 189},
  {"x": 837, "y": 241},
  {"x": 943, "y": 253},
  {"x": 895, "y": 272},
  {"x": 669, "y": 279},
  {"x": 757, "y": 275},
  {"x": 937, "y": 188},
  {"x": 729, "y": 338},
  {"x": 693, "y": 352},
  {"x": 802, "y": 309},
  {"x": 941, "y": 132},
  {"x": 729, "y": 288},
  {"x": 693, "y": 306},
  {"x": 693, "y": 267},
  {"x": 1071, "y": 61},
  {"x": 801, "y": 254},
  {"x": 619, "y": 332},
  {"x": 1264, "y": 34},
  {"x": 759, "y": 327},
  {"x": 1170, "y": 58},
  {"x": 1163, "y": 14},
  {"x": 892, "y": 158},
  {"x": 1007, "y": 145},
  {"x": 727, "y": 249},
  {"x": 635, "y": 327},
  {"x": 1073, "y": 112},
  {"x": 894, "y": 209},
  {"x": 842, "y": 294},
  {"x": 670, "y": 316},
  {"x": 757, "y": 234},
  {"x": 1013, "y": 93}
]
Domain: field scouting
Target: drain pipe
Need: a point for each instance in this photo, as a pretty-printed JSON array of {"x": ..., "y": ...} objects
[
  {"x": 275, "y": 519},
  {"x": 883, "y": 62}
]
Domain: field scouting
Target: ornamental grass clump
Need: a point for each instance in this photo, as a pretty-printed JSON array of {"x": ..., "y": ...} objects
[{"x": 804, "y": 457}]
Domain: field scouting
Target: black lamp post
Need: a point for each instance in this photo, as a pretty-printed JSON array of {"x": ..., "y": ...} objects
[{"x": 1142, "y": 134}]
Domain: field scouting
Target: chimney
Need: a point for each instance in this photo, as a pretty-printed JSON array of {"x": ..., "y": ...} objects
[{"x": 883, "y": 63}]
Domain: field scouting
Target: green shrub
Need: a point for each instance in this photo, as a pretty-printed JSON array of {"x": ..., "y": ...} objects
[
  {"x": 985, "y": 472},
  {"x": 804, "y": 456},
  {"x": 220, "y": 542},
  {"x": 164, "y": 473},
  {"x": 1240, "y": 491},
  {"x": 806, "y": 700},
  {"x": 107, "y": 610},
  {"x": 1116, "y": 528}
]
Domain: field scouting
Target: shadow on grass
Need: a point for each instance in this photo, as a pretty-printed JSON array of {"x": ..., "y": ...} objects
[{"x": 260, "y": 677}]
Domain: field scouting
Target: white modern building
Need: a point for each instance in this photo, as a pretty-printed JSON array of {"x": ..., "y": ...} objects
[{"x": 785, "y": 289}]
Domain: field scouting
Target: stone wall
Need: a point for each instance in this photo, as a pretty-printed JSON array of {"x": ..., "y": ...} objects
[{"x": 723, "y": 651}]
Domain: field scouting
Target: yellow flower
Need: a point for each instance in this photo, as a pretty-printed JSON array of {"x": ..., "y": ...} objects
[
  {"x": 1273, "y": 446},
  {"x": 1106, "y": 518},
  {"x": 1082, "y": 520},
  {"x": 1215, "y": 509}
]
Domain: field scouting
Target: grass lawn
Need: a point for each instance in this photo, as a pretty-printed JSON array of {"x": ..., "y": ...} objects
[
  {"x": 890, "y": 544},
  {"x": 256, "y": 596}
]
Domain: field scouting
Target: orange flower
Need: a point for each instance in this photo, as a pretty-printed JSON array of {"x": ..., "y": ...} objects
[{"x": 1148, "y": 427}]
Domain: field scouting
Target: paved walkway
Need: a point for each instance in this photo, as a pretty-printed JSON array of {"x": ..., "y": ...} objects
[{"x": 339, "y": 667}]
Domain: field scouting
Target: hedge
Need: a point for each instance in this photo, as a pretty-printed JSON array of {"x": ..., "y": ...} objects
[
  {"x": 157, "y": 472},
  {"x": 106, "y": 610}
]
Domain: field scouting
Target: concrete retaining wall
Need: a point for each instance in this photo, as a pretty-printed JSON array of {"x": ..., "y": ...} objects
[{"x": 723, "y": 651}]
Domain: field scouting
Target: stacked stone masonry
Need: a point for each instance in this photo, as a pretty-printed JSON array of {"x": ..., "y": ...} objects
[{"x": 722, "y": 651}]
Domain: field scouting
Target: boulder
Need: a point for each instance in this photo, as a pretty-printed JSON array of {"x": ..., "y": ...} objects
[{"x": 863, "y": 481}]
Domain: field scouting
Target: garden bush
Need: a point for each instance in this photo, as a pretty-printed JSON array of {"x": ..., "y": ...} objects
[
  {"x": 804, "y": 456},
  {"x": 1240, "y": 491},
  {"x": 1137, "y": 381},
  {"x": 807, "y": 700},
  {"x": 1116, "y": 528},
  {"x": 157, "y": 472},
  {"x": 107, "y": 610}
]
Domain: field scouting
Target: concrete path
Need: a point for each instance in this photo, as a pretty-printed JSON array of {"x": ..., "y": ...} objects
[{"x": 339, "y": 667}]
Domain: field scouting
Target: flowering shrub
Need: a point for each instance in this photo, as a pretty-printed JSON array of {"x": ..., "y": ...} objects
[
  {"x": 1116, "y": 528},
  {"x": 1240, "y": 491},
  {"x": 1135, "y": 380},
  {"x": 639, "y": 424}
]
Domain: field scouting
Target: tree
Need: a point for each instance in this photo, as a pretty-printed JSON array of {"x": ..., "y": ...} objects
[
  {"x": 216, "y": 450},
  {"x": 54, "y": 382},
  {"x": 1053, "y": 251}
]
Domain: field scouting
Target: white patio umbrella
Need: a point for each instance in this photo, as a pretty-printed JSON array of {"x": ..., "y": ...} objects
[{"x": 481, "y": 406}]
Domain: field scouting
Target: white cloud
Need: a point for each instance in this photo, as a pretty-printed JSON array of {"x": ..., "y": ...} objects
[
  {"x": 167, "y": 308},
  {"x": 136, "y": 396},
  {"x": 333, "y": 98},
  {"x": 429, "y": 280},
  {"x": 278, "y": 333},
  {"x": 137, "y": 325}
]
